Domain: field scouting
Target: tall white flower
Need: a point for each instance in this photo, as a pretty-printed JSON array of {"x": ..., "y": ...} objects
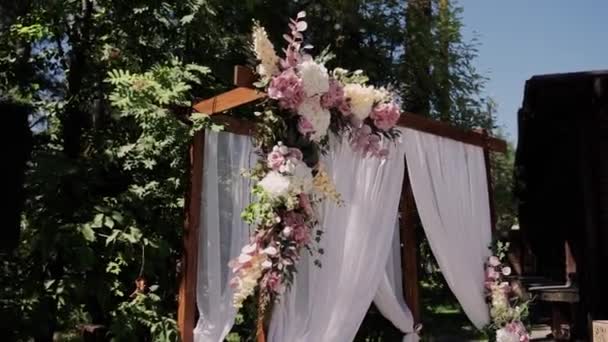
[
  {"x": 361, "y": 99},
  {"x": 265, "y": 53},
  {"x": 315, "y": 79},
  {"x": 275, "y": 184},
  {"x": 318, "y": 117}
]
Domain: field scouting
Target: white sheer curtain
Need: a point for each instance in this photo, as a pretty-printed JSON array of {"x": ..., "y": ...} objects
[
  {"x": 451, "y": 192},
  {"x": 329, "y": 303},
  {"x": 389, "y": 296},
  {"x": 222, "y": 233}
]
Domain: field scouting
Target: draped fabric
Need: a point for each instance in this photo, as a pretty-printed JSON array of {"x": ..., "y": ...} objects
[
  {"x": 451, "y": 193},
  {"x": 389, "y": 296},
  {"x": 223, "y": 232},
  {"x": 361, "y": 260},
  {"x": 356, "y": 240}
]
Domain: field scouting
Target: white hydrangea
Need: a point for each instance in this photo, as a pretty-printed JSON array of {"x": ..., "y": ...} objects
[
  {"x": 265, "y": 53},
  {"x": 318, "y": 117},
  {"x": 275, "y": 184},
  {"x": 315, "y": 79},
  {"x": 361, "y": 99},
  {"x": 503, "y": 335},
  {"x": 302, "y": 179}
]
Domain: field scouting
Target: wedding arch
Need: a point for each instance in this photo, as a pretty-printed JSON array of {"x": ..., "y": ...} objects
[{"x": 429, "y": 185}]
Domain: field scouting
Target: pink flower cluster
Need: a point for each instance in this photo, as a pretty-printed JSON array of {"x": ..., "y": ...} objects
[
  {"x": 502, "y": 297},
  {"x": 268, "y": 260},
  {"x": 386, "y": 115},
  {"x": 519, "y": 329},
  {"x": 287, "y": 89},
  {"x": 365, "y": 142},
  {"x": 279, "y": 157},
  {"x": 299, "y": 75}
]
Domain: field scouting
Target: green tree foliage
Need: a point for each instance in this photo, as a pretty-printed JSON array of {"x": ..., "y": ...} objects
[{"x": 106, "y": 176}]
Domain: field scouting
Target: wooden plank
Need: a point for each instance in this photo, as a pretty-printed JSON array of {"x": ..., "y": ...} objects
[
  {"x": 243, "y": 76},
  {"x": 409, "y": 247},
  {"x": 228, "y": 100},
  {"x": 186, "y": 312}
]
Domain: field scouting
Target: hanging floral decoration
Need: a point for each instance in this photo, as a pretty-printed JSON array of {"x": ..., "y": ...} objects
[
  {"x": 508, "y": 307},
  {"x": 305, "y": 102}
]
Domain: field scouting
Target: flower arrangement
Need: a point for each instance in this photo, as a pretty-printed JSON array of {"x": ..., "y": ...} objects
[
  {"x": 305, "y": 103},
  {"x": 508, "y": 309}
]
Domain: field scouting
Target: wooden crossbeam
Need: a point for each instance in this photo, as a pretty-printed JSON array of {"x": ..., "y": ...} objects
[{"x": 245, "y": 94}]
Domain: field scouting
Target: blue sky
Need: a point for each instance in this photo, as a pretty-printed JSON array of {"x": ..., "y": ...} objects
[{"x": 522, "y": 38}]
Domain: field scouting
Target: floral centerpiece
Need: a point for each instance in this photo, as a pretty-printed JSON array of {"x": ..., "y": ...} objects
[
  {"x": 508, "y": 308},
  {"x": 306, "y": 102}
]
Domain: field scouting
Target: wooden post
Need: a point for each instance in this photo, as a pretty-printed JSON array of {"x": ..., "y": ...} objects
[
  {"x": 186, "y": 312},
  {"x": 488, "y": 162},
  {"x": 409, "y": 247}
]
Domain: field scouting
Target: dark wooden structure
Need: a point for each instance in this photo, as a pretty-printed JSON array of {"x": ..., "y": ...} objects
[
  {"x": 562, "y": 188},
  {"x": 244, "y": 94}
]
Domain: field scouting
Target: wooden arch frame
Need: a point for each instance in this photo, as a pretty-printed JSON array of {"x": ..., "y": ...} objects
[{"x": 244, "y": 94}]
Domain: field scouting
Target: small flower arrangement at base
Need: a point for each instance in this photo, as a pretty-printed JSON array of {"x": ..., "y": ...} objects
[{"x": 508, "y": 308}]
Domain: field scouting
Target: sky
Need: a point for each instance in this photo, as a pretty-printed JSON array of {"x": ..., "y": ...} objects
[{"x": 523, "y": 38}]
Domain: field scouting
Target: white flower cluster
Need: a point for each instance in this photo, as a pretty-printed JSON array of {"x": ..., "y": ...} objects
[
  {"x": 362, "y": 99},
  {"x": 316, "y": 115},
  {"x": 264, "y": 51},
  {"x": 293, "y": 176},
  {"x": 315, "y": 79}
]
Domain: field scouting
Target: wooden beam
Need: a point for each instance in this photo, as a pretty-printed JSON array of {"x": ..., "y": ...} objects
[
  {"x": 409, "y": 247},
  {"x": 228, "y": 100},
  {"x": 240, "y": 96},
  {"x": 446, "y": 130},
  {"x": 488, "y": 161},
  {"x": 186, "y": 312},
  {"x": 243, "y": 76}
]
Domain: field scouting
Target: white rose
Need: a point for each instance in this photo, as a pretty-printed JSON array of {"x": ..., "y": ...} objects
[
  {"x": 503, "y": 335},
  {"x": 506, "y": 270},
  {"x": 315, "y": 79},
  {"x": 318, "y": 117},
  {"x": 275, "y": 184},
  {"x": 361, "y": 99}
]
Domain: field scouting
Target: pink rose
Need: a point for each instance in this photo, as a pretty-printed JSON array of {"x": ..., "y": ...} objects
[
  {"x": 275, "y": 160},
  {"x": 386, "y": 115},
  {"x": 491, "y": 273},
  {"x": 334, "y": 97},
  {"x": 287, "y": 88},
  {"x": 304, "y": 126},
  {"x": 494, "y": 261}
]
